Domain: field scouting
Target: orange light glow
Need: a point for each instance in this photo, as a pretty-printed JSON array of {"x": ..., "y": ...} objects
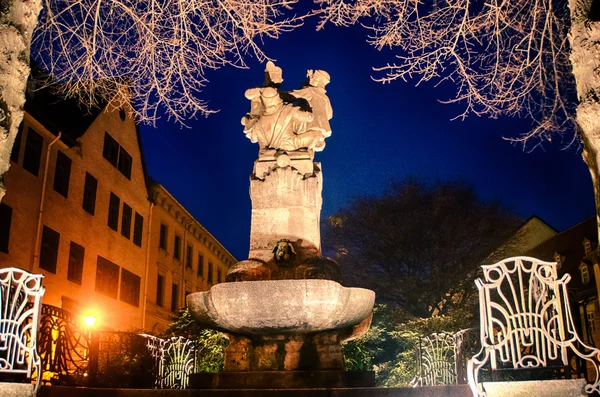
[{"x": 89, "y": 320}]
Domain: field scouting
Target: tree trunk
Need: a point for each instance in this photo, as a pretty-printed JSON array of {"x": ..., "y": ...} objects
[
  {"x": 18, "y": 18},
  {"x": 584, "y": 38}
]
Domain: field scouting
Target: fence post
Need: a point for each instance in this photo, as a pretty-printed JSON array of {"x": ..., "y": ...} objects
[{"x": 93, "y": 358}]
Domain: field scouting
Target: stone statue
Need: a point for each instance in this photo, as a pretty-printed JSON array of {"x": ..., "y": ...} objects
[
  {"x": 319, "y": 102},
  {"x": 275, "y": 123}
]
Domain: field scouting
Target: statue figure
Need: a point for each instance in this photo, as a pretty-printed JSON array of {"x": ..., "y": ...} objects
[
  {"x": 280, "y": 125},
  {"x": 318, "y": 100},
  {"x": 275, "y": 123}
]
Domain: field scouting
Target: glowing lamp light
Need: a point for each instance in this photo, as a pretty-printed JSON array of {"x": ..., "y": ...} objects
[{"x": 89, "y": 320}]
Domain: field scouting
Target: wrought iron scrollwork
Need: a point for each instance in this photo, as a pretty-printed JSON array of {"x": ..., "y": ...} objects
[
  {"x": 20, "y": 300},
  {"x": 64, "y": 346},
  {"x": 174, "y": 361}
]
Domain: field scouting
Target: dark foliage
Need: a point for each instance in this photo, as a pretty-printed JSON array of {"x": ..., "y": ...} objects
[{"x": 418, "y": 246}]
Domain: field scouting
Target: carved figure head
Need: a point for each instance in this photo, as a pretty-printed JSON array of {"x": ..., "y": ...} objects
[
  {"x": 273, "y": 74},
  {"x": 284, "y": 253},
  {"x": 270, "y": 99},
  {"x": 318, "y": 78}
]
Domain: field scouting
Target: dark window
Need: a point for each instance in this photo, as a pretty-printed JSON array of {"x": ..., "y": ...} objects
[
  {"x": 162, "y": 243},
  {"x": 16, "y": 150},
  {"x": 125, "y": 163},
  {"x": 126, "y": 221},
  {"x": 188, "y": 259},
  {"x": 107, "y": 277},
  {"x": 62, "y": 173},
  {"x": 111, "y": 149},
  {"x": 76, "y": 254},
  {"x": 187, "y": 293},
  {"x": 130, "y": 288},
  {"x": 174, "y": 297},
  {"x": 177, "y": 247},
  {"x": 33, "y": 152},
  {"x": 49, "y": 249},
  {"x": 113, "y": 212},
  {"x": 210, "y": 273},
  {"x": 219, "y": 274},
  {"x": 138, "y": 227},
  {"x": 89, "y": 193},
  {"x": 160, "y": 286},
  {"x": 200, "y": 265},
  {"x": 5, "y": 221}
]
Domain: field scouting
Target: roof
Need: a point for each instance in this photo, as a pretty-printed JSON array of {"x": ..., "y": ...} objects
[
  {"x": 57, "y": 113},
  {"x": 569, "y": 244}
]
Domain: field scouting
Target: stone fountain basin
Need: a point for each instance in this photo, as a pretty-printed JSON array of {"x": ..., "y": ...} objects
[{"x": 281, "y": 306}]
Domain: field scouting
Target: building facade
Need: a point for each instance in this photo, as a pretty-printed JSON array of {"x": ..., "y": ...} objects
[
  {"x": 184, "y": 258},
  {"x": 80, "y": 210}
]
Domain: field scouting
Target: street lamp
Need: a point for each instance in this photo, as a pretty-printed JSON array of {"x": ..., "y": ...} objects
[{"x": 89, "y": 320}]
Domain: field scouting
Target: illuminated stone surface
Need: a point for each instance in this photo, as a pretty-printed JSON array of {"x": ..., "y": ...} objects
[
  {"x": 546, "y": 388},
  {"x": 282, "y": 306}
]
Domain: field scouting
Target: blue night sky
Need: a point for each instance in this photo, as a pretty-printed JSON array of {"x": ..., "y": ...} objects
[{"x": 380, "y": 132}]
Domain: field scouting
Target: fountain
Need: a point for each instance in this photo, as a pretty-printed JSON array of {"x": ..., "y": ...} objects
[{"x": 283, "y": 309}]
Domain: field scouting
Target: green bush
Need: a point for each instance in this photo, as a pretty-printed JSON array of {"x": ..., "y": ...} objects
[{"x": 210, "y": 344}]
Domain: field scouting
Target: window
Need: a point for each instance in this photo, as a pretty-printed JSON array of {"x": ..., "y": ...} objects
[
  {"x": 76, "y": 254},
  {"x": 174, "y": 297},
  {"x": 188, "y": 259},
  {"x": 62, "y": 174},
  {"x": 116, "y": 155},
  {"x": 125, "y": 163},
  {"x": 138, "y": 227},
  {"x": 130, "y": 288},
  {"x": 200, "y": 265},
  {"x": 107, "y": 277},
  {"x": 585, "y": 274},
  {"x": 33, "y": 152},
  {"x": 111, "y": 149},
  {"x": 89, "y": 194},
  {"x": 587, "y": 246},
  {"x": 113, "y": 212},
  {"x": 219, "y": 276},
  {"x": 49, "y": 249},
  {"x": 557, "y": 259},
  {"x": 126, "y": 221},
  {"x": 591, "y": 322},
  {"x": 162, "y": 243},
  {"x": 16, "y": 150},
  {"x": 177, "y": 247},
  {"x": 160, "y": 286},
  {"x": 5, "y": 221},
  {"x": 210, "y": 273},
  {"x": 187, "y": 292}
]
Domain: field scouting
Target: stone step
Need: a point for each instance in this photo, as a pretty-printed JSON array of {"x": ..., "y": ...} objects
[{"x": 435, "y": 391}]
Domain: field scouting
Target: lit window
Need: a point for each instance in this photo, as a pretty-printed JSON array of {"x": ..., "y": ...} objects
[
  {"x": 557, "y": 259},
  {"x": 585, "y": 274},
  {"x": 587, "y": 246},
  {"x": 590, "y": 321}
]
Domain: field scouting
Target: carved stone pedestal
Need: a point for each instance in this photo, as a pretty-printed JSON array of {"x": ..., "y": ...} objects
[
  {"x": 322, "y": 351},
  {"x": 285, "y": 189}
]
